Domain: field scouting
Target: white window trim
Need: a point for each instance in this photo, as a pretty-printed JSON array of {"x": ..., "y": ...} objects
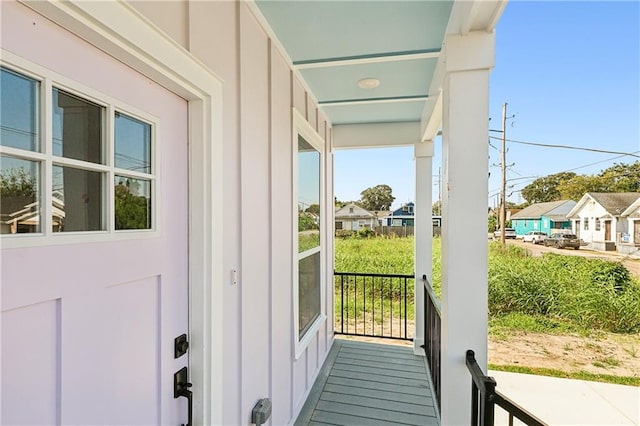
[
  {"x": 303, "y": 128},
  {"x": 125, "y": 34},
  {"x": 48, "y": 81}
]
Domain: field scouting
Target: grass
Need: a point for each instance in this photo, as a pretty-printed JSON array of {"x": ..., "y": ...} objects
[
  {"x": 552, "y": 294},
  {"x": 548, "y": 294},
  {"x": 579, "y": 375}
]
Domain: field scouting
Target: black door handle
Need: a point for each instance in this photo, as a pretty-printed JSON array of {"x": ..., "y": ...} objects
[{"x": 181, "y": 389}]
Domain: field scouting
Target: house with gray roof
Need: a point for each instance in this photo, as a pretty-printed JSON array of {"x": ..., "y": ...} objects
[
  {"x": 353, "y": 217},
  {"x": 597, "y": 218},
  {"x": 543, "y": 217}
]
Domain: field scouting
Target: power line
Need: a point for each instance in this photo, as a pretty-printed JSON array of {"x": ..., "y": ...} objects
[
  {"x": 602, "y": 161},
  {"x": 567, "y": 147}
]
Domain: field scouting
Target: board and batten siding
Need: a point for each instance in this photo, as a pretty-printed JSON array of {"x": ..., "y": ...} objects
[{"x": 259, "y": 91}]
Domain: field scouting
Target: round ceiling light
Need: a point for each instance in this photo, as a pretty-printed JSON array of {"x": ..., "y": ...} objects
[{"x": 369, "y": 83}]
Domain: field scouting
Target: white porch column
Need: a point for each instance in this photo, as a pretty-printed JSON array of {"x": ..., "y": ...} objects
[
  {"x": 469, "y": 59},
  {"x": 423, "y": 234}
]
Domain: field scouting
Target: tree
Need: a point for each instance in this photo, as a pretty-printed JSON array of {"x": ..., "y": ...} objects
[
  {"x": 576, "y": 187},
  {"x": 132, "y": 211},
  {"x": 313, "y": 208},
  {"x": 377, "y": 198},
  {"x": 545, "y": 189},
  {"x": 17, "y": 183},
  {"x": 436, "y": 208},
  {"x": 622, "y": 177}
]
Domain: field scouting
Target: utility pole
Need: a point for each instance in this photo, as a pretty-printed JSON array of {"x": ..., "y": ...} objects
[{"x": 503, "y": 166}]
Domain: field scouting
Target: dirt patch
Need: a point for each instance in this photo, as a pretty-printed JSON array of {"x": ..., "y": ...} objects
[
  {"x": 601, "y": 353},
  {"x": 606, "y": 353}
]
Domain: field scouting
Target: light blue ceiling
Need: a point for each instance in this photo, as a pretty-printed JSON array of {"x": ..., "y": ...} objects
[
  {"x": 397, "y": 79},
  {"x": 376, "y": 37}
]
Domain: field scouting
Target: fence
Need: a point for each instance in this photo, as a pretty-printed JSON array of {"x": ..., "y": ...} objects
[{"x": 374, "y": 305}]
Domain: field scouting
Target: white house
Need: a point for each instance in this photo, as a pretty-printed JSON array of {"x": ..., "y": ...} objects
[
  {"x": 222, "y": 118},
  {"x": 352, "y": 218},
  {"x": 631, "y": 240},
  {"x": 597, "y": 218}
]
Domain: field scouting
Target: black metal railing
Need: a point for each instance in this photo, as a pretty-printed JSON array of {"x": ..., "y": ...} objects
[
  {"x": 484, "y": 398},
  {"x": 374, "y": 305},
  {"x": 432, "y": 327}
]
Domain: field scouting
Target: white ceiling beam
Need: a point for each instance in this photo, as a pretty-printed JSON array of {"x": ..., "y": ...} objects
[
  {"x": 376, "y": 135},
  {"x": 371, "y": 60}
]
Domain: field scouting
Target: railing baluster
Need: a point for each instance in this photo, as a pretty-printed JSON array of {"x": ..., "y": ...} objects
[
  {"x": 405, "y": 308},
  {"x": 342, "y": 304},
  {"x": 373, "y": 305}
]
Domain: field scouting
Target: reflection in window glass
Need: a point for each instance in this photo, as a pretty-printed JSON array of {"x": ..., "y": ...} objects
[
  {"x": 77, "y": 128},
  {"x": 18, "y": 111},
  {"x": 133, "y": 144},
  {"x": 308, "y": 196},
  {"x": 309, "y": 292},
  {"x": 78, "y": 200},
  {"x": 309, "y": 207},
  {"x": 19, "y": 196},
  {"x": 132, "y": 203}
]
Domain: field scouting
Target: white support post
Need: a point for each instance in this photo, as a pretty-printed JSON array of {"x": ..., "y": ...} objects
[
  {"x": 423, "y": 235},
  {"x": 469, "y": 60}
]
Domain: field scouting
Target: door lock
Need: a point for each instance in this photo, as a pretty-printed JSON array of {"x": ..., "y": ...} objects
[{"x": 180, "y": 346}]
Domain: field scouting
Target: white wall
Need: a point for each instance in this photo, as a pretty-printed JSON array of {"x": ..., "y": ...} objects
[
  {"x": 259, "y": 91},
  {"x": 588, "y": 213}
]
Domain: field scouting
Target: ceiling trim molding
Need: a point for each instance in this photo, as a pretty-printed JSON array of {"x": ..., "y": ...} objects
[
  {"x": 411, "y": 55},
  {"x": 370, "y": 101}
]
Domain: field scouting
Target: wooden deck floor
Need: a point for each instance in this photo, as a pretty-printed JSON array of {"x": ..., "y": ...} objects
[{"x": 370, "y": 384}]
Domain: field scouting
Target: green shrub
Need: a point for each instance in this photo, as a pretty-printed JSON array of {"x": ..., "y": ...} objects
[{"x": 366, "y": 233}]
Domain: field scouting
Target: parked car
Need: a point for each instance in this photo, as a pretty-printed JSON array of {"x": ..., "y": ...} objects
[
  {"x": 562, "y": 240},
  {"x": 535, "y": 237},
  {"x": 508, "y": 233}
]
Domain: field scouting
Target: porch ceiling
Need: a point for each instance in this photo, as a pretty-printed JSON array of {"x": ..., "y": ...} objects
[{"x": 335, "y": 44}]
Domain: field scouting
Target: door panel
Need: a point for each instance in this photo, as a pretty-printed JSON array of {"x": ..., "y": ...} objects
[
  {"x": 607, "y": 230},
  {"x": 88, "y": 328},
  {"x": 33, "y": 334}
]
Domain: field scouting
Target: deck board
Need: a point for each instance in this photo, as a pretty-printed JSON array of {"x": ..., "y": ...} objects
[{"x": 370, "y": 384}]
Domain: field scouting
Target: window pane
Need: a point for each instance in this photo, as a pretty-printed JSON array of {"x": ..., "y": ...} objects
[
  {"x": 77, "y": 128},
  {"x": 19, "y": 196},
  {"x": 133, "y": 144},
  {"x": 308, "y": 196},
  {"x": 78, "y": 200},
  {"x": 132, "y": 203},
  {"x": 18, "y": 111},
  {"x": 308, "y": 292}
]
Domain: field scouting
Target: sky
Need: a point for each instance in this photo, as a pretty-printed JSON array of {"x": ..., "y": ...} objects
[{"x": 569, "y": 72}]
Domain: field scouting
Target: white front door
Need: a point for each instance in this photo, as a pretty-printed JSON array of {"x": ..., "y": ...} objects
[{"x": 94, "y": 286}]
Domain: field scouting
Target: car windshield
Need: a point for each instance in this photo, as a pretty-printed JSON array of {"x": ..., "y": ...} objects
[{"x": 569, "y": 236}]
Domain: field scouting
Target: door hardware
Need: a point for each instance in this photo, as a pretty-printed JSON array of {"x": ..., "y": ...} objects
[
  {"x": 180, "y": 346},
  {"x": 181, "y": 389}
]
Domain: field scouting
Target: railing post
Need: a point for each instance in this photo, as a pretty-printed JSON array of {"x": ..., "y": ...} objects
[{"x": 488, "y": 401}]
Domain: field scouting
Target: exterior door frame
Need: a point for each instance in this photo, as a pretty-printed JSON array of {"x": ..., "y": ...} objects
[{"x": 125, "y": 34}]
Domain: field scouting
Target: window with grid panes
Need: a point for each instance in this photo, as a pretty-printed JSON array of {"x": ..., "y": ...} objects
[{"x": 70, "y": 162}]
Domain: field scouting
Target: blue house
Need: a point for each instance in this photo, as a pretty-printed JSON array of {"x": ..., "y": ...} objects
[
  {"x": 543, "y": 217},
  {"x": 403, "y": 216}
]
